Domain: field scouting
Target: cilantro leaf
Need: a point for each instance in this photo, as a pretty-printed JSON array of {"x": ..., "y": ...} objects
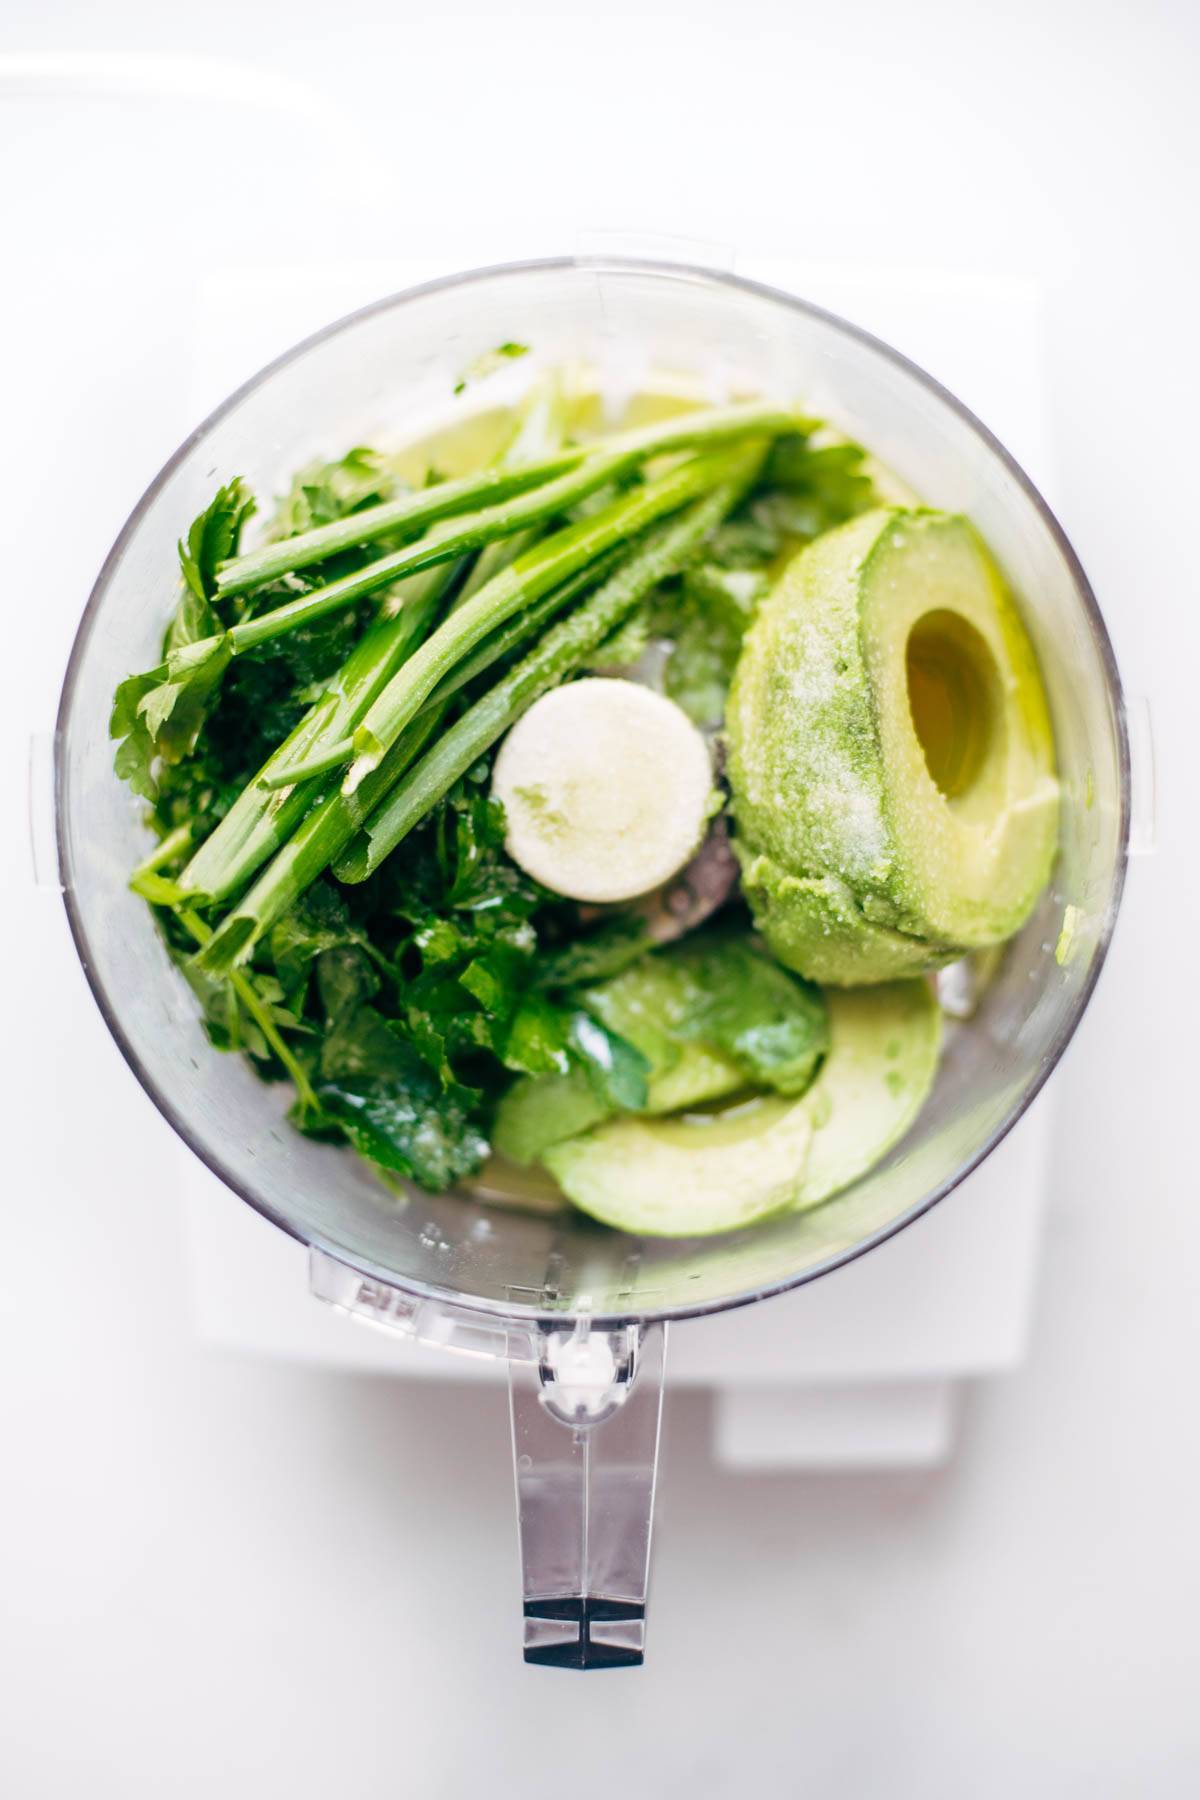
[
  {"x": 213, "y": 537},
  {"x": 717, "y": 989},
  {"x": 323, "y": 492},
  {"x": 391, "y": 1106},
  {"x": 160, "y": 714},
  {"x": 707, "y": 624},
  {"x": 772, "y": 1023},
  {"x": 376, "y": 1088},
  {"x": 810, "y": 490},
  {"x": 318, "y": 922},
  {"x": 606, "y": 950},
  {"x": 489, "y": 362},
  {"x": 617, "y": 1073},
  {"x": 537, "y": 1038}
]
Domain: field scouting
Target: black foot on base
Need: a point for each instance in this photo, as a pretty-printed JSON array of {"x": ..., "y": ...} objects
[{"x": 574, "y": 1632}]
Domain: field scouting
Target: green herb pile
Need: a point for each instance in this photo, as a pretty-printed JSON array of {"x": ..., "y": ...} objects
[{"x": 315, "y": 747}]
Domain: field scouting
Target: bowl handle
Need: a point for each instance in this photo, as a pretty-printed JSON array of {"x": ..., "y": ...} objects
[{"x": 586, "y": 1412}]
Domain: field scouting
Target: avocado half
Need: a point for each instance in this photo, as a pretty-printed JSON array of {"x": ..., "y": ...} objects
[
  {"x": 697, "y": 1174},
  {"x": 891, "y": 758}
]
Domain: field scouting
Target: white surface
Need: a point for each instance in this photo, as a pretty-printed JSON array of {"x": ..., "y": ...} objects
[
  {"x": 230, "y": 1579},
  {"x": 851, "y": 1425}
]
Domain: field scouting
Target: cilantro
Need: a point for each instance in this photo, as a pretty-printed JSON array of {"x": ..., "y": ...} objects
[
  {"x": 408, "y": 1004},
  {"x": 709, "y": 620},
  {"x": 809, "y": 490},
  {"x": 537, "y": 1039},
  {"x": 160, "y": 714},
  {"x": 212, "y": 538},
  {"x": 318, "y": 922},
  {"x": 716, "y": 989},
  {"x": 724, "y": 992},
  {"x": 324, "y": 492},
  {"x": 591, "y": 956},
  {"x": 375, "y": 1088},
  {"x": 616, "y": 1071},
  {"x": 488, "y": 363}
]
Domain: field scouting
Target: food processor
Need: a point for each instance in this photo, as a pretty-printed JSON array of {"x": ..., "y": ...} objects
[{"x": 581, "y": 1313}]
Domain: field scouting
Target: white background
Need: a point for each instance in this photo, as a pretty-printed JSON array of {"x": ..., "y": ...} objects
[{"x": 223, "y": 1577}]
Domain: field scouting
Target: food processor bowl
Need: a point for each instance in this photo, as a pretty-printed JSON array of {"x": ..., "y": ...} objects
[{"x": 580, "y": 1311}]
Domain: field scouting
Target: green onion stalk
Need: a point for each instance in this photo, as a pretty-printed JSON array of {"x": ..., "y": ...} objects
[{"x": 399, "y": 724}]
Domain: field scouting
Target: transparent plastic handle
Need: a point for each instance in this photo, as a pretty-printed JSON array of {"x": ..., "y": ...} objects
[
  {"x": 585, "y": 1423},
  {"x": 586, "y": 1409}
]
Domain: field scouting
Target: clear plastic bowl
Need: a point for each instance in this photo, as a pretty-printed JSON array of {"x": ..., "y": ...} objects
[{"x": 392, "y": 367}]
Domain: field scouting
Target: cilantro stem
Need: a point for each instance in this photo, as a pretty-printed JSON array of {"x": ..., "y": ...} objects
[
  {"x": 472, "y": 531},
  {"x": 525, "y": 625},
  {"x": 321, "y": 762},
  {"x": 244, "y": 989},
  {"x": 165, "y": 851},
  {"x": 409, "y": 513},
  {"x": 321, "y": 836}
]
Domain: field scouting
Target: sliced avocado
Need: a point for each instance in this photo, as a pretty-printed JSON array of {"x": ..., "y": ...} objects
[
  {"x": 711, "y": 1015},
  {"x": 691, "y": 1176},
  {"x": 540, "y": 1110},
  {"x": 890, "y": 753},
  {"x": 502, "y": 1183},
  {"x": 701, "y": 1073},
  {"x": 883, "y": 1056}
]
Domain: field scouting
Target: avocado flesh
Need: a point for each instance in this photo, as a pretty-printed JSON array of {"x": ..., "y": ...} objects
[
  {"x": 541, "y": 1110},
  {"x": 689, "y": 1176},
  {"x": 692, "y": 1176},
  {"x": 890, "y": 753},
  {"x": 885, "y": 1044}
]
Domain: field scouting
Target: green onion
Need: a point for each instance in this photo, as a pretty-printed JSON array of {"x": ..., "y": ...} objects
[
  {"x": 262, "y": 818},
  {"x": 325, "y": 832},
  {"x": 561, "y": 652},
  {"x": 493, "y": 649},
  {"x": 412, "y": 512}
]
